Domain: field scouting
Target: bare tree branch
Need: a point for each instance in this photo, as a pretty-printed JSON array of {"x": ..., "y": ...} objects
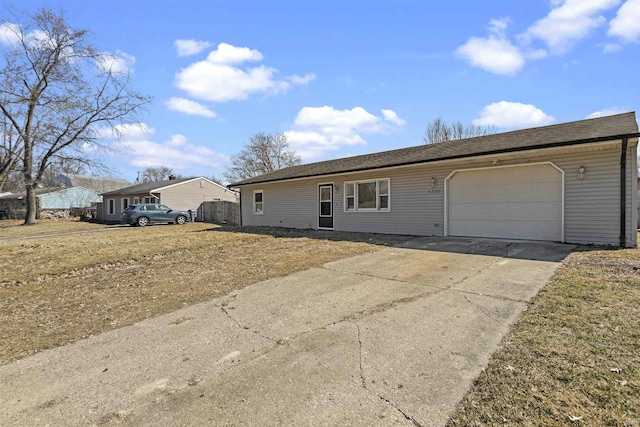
[
  {"x": 439, "y": 131},
  {"x": 55, "y": 93},
  {"x": 264, "y": 153}
]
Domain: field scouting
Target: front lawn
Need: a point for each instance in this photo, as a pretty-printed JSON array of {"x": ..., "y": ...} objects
[{"x": 64, "y": 280}]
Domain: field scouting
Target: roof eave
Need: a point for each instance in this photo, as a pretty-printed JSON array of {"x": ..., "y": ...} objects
[{"x": 461, "y": 156}]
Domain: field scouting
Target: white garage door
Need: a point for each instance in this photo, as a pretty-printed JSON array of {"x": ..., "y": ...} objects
[{"x": 523, "y": 202}]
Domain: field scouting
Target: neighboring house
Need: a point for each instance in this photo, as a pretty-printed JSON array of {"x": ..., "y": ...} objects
[
  {"x": 554, "y": 183},
  {"x": 638, "y": 202},
  {"x": 49, "y": 199},
  {"x": 97, "y": 184},
  {"x": 182, "y": 194}
]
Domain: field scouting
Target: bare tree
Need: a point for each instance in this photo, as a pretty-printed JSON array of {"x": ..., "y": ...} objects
[
  {"x": 216, "y": 179},
  {"x": 264, "y": 153},
  {"x": 439, "y": 131},
  {"x": 57, "y": 92},
  {"x": 161, "y": 173},
  {"x": 64, "y": 166},
  {"x": 10, "y": 154}
]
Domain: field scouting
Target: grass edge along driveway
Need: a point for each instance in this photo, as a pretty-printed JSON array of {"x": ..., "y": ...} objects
[{"x": 573, "y": 358}]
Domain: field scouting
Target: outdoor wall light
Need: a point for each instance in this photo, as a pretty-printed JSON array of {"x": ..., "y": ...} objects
[
  {"x": 434, "y": 182},
  {"x": 581, "y": 171},
  {"x": 336, "y": 188}
]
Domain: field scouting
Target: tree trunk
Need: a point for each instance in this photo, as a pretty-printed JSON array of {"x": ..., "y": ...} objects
[{"x": 32, "y": 208}]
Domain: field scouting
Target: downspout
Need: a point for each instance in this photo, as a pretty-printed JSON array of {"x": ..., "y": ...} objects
[
  {"x": 623, "y": 193},
  {"x": 240, "y": 200}
]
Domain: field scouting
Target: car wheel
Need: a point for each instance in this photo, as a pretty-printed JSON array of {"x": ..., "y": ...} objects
[
  {"x": 143, "y": 221},
  {"x": 181, "y": 219}
]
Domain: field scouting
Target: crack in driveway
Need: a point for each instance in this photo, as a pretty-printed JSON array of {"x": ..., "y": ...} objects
[{"x": 364, "y": 382}]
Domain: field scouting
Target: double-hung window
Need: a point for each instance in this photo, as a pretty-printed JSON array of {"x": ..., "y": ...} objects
[
  {"x": 258, "y": 202},
  {"x": 112, "y": 206},
  {"x": 372, "y": 195}
]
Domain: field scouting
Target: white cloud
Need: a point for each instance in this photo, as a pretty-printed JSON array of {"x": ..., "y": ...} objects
[
  {"x": 611, "y": 48},
  {"x": 568, "y": 22},
  {"x": 301, "y": 80},
  {"x": 512, "y": 115},
  {"x": 499, "y": 26},
  {"x": 137, "y": 149},
  {"x": 118, "y": 63},
  {"x": 494, "y": 54},
  {"x": 536, "y": 54},
  {"x": 176, "y": 153},
  {"x": 606, "y": 112},
  {"x": 318, "y": 130},
  {"x": 192, "y": 108},
  {"x": 190, "y": 47},
  {"x": 391, "y": 116},
  {"x": 220, "y": 78},
  {"x": 229, "y": 54},
  {"x": 625, "y": 24},
  {"x": 126, "y": 132},
  {"x": 9, "y": 34}
]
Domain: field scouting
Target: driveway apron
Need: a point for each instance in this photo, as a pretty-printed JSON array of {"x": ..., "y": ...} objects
[{"x": 394, "y": 337}]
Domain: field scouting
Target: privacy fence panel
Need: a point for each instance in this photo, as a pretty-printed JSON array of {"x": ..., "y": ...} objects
[{"x": 220, "y": 212}]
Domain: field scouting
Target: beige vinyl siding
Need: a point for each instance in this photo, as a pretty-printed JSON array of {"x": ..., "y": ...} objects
[
  {"x": 190, "y": 194},
  {"x": 291, "y": 205},
  {"x": 416, "y": 207},
  {"x": 591, "y": 205}
]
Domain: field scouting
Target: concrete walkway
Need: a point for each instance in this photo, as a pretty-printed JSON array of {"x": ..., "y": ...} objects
[{"x": 393, "y": 337}]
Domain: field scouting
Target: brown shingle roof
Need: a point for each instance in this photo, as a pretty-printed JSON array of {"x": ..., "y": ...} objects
[{"x": 578, "y": 132}]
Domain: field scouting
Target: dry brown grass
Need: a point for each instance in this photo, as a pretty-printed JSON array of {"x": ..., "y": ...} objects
[
  {"x": 58, "y": 287},
  {"x": 574, "y": 357}
]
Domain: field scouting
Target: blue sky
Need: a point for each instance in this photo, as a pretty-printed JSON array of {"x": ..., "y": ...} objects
[{"x": 342, "y": 78}]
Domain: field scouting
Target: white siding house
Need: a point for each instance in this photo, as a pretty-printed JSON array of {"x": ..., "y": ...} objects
[{"x": 573, "y": 182}]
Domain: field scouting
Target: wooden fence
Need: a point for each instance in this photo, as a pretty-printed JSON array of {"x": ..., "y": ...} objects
[{"x": 221, "y": 212}]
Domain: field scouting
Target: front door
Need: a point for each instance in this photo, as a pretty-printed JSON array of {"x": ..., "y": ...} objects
[{"x": 325, "y": 206}]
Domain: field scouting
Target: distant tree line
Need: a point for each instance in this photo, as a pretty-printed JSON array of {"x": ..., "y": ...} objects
[{"x": 440, "y": 131}]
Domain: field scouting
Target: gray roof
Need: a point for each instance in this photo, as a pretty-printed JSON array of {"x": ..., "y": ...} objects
[
  {"x": 146, "y": 187},
  {"x": 39, "y": 192},
  {"x": 578, "y": 132},
  {"x": 97, "y": 184}
]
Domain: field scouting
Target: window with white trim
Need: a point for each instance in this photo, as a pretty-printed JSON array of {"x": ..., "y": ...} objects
[
  {"x": 370, "y": 195},
  {"x": 125, "y": 203},
  {"x": 151, "y": 200},
  {"x": 136, "y": 200},
  {"x": 258, "y": 202},
  {"x": 112, "y": 206}
]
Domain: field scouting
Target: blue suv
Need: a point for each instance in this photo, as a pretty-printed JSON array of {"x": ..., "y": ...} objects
[{"x": 148, "y": 213}]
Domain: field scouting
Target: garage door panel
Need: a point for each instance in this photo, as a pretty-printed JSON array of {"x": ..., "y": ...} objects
[
  {"x": 509, "y": 229},
  {"x": 523, "y": 202},
  {"x": 542, "y": 192},
  {"x": 539, "y": 211}
]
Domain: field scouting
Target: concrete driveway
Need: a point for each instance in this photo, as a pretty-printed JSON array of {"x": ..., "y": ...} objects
[{"x": 393, "y": 337}]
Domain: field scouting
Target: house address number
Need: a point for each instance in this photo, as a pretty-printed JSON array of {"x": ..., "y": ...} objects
[{"x": 434, "y": 191}]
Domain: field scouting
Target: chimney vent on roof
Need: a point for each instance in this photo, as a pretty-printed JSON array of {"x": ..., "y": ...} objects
[{"x": 172, "y": 177}]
